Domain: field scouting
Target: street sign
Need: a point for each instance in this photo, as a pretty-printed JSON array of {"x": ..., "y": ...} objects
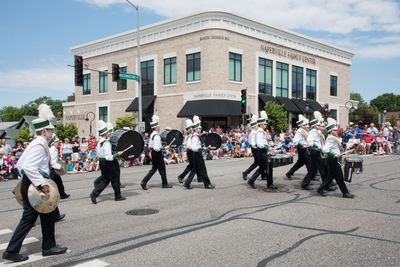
[
  {"x": 128, "y": 76},
  {"x": 141, "y": 127}
]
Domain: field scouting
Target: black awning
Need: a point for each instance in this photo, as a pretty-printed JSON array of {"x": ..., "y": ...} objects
[
  {"x": 147, "y": 102},
  {"x": 267, "y": 98},
  {"x": 210, "y": 108},
  {"x": 288, "y": 105},
  {"x": 301, "y": 104},
  {"x": 315, "y": 105}
]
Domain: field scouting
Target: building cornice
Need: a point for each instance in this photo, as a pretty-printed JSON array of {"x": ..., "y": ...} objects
[{"x": 215, "y": 19}]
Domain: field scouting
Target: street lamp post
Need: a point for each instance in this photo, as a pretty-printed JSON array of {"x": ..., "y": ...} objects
[
  {"x": 139, "y": 67},
  {"x": 92, "y": 119},
  {"x": 351, "y": 106}
]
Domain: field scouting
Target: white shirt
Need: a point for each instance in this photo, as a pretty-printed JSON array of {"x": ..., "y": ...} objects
[
  {"x": 300, "y": 137},
  {"x": 332, "y": 145},
  {"x": 103, "y": 149},
  {"x": 260, "y": 138},
  {"x": 252, "y": 138},
  {"x": 54, "y": 158},
  {"x": 195, "y": 143},
  {"x": 315, "y": 137},
  {"x": 35, "y": 158},
  {"x": 188, "y": 141},
  {"x": 155, "y": 141}
]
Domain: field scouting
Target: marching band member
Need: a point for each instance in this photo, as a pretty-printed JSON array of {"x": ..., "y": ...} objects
[
  {"x": 198, "y": 160},
  {"x": 300, "y": 140},
  {"x": 262, "y": 153},
  {"x": 34, "y": 165},
  {"x": 189, "y": 152},
  {"x": 107, "y": 165},
  {"x": 252, "y": 143},
  {"x": 156, "y": 156},
  {"x": 333, "y": 148},
  {"x": 315, "y": 142}
]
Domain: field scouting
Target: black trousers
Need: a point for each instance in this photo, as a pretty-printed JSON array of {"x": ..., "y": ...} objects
[
  {"x": 334, "y": 172},
  {"x": 157, "y": 162},
  {"x": 57, "y": 179},
  {"x": 200, "y": 169},
  {"x": 303, "y": 159},
  {"x": 252, "y": 166},
  {"x": 110, "y": 175},
  {"x": 316, "y": 164},
  {"x": 189, "y": 168},
  {"x": 118, "y": 170},
  {"x": 261, "y": 156},
  {"x": 27, "y": 221}
]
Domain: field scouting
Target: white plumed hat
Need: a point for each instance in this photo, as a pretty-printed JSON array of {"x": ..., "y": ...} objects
[
  {"x": 196, "y": 122},
  {"x": 302, "y": 120},
  {"x": 331, "y": 124},
  {"x": 319, "y": 117},
  {"x": 188, "y": 124},
  {"x": 154, "y": 121},
  {"x": 45, "y": 116},
  {"x": 253, "y": 121},
  {"x": 110, "y": 127},
  {"x": 263, "y": 117},
  {"x": 101, "y": 127}
]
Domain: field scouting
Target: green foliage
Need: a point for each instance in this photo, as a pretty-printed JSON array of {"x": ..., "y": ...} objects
[
  {"x": 125, "y": 122},
  {"x": 357, "y": 97},
  {"x": 10, "y": 113},
  {"x": 277, "y": 116},
  {"x": 364, "y": 114},
  {"x": 22, "y": 135},
  {"x": 67, "y": 131},
  {"x": 388, "y": 102},
  {"x": 392, "y": 120}
]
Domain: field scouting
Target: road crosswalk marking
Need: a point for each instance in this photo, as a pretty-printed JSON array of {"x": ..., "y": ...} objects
[
  {"x": 93, "y": 263},
  {"x": 5, "y": 231},
  {"x": 26, "y": 241}
]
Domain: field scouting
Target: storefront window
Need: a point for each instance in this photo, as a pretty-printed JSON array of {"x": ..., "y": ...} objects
[
  {"x": 170, "y": 70},
  {"x": 265, "y": 76},
  {"x": 235, "y": 67},
  {"x": 333, "y": 85},
  {"x": 147, "y": 72},
  {"x": 103, "y": 82},
  {"x": 282, "y": 77},
  {"x": 334, "y": 114},
  {"x": 311, "y": 84},
  {"x": 122, "y": 83},
  {"x": 103, "y": 114},
  {"x": 297, "y": 82},
  {"x": 193, "y": 67}
]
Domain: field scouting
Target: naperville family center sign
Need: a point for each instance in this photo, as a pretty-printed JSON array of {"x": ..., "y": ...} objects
[{"x": 284, "y": 53}]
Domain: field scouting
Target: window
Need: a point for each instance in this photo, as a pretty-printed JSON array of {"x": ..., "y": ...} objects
[
  {"x": 297, "y": 82},
  {"x": 193, "y": 67},
  {"x": 334, "y": 114},
  {"x": 265, "y": 76},
  {"x": 170, "y": 70},
  {"x": 235, "y": 67},
  {"x": 282, "y": 77},
  {"x": 147, "y": 72},
  {"x": 333, "y": 85},
  {"x": 103, "y": 82},
  {"x": 122, "y": 83},
  {"x": 311, "y": 84},
  {"x": 86, "y": 84},
  {"x": 103, "y": 114}
]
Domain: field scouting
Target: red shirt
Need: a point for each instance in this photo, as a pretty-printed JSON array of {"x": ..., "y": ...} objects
[
  {"x": 92, "y": 143},
  {"x": 369, "y": 139}
]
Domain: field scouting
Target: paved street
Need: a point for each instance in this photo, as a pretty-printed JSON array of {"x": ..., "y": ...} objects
[{"x": 231, "y": 225}]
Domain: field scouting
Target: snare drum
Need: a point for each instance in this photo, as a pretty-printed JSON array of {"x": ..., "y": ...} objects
[{"x": 351, "y": 164}]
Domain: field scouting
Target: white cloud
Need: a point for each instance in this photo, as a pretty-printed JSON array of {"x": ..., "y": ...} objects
[{"x": 37, "y": 80}]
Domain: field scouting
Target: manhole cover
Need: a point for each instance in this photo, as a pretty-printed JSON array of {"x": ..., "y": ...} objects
[{"x": 141, "y": 212}]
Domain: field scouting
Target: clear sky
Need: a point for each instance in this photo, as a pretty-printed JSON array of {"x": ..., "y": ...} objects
[{"x": 36, "y": 36}]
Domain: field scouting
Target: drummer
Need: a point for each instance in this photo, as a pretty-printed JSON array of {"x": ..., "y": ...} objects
[
  {"x": 187, "y": 143},
  {"x": 252, "y": 143},
  {"x": 156, "y": 156},
  {"x": 34, "y": 165},
  {"x": 334, "y": 150}
]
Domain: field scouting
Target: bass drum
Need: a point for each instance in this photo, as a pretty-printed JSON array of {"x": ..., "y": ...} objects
[
  {"x": 174, "y": 138},
  {"x": 122, "y": 139},
  {"x": 164, "y": 134},
  {"x": 212, "y": 141}
]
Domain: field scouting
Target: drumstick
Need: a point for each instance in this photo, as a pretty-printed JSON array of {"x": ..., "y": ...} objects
[
  {"x": 172, "y": 141},
  {"x": 129, "y": 147}
]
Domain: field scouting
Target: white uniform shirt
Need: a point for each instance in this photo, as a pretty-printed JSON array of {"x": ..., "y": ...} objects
[
  {"x": 155, "y": 141},
  {"x": 54, "y": 158},
  {"x": 332, "y": 145},
  {"x": 188, "y": 141},
  {"x": 315, "y": 137},
  {"x": 35, "y": 158},
  {"x": 195, "y": 143},
  {"x": 252, "y": 138},
  {"x": 260, "y": 138},
  {"x": 300, "y": 137},
  {"x": 103, "y": 149}
]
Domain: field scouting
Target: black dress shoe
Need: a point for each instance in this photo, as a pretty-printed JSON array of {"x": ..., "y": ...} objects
[
  {"x": 60, "y": 218},
  {"x": 54, "y": 251},
  {"x": 288, "y": 176},
  {"x": 244, "y": 175},
  {"x": 143, "y": 186},
  {"x": 167, "y": 186},
  {"x": 187, "y": 186},
  {"x": 15, "y": 257},
  {"x": 321, "y": 193},
  {"x": 209, "y": 186},
  {"x": 251, "y": 185},
  {"x": 120, "y": 198},
  {"x": 93, "y": 198},
  {"x": 272, "y": 186},
  {"x": 331, "y": 188},
  {"x": 122, "y": 186},
  {"x": 307, "y": 187},
  {"x": 180, "y": 179},
  {"x": 65, "y": 196},
  {"x": 348, "y": 195}
]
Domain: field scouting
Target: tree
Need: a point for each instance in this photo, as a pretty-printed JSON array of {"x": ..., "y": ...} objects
[
  {"x": 125, "y": 122},
  {"x": 388, "y": 102},
  {"x": 67, "y": 131},
  {"x": 22, "y": 135},
  {"x": 357, "y": 97},
  {"x": 277, "y": 116},
  {"x": 392, "y": 120},
  {"x": 365, "y": 114},
  {"x": 10, "y": 113}
]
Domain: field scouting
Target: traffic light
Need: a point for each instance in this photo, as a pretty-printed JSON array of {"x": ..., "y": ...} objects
[
  {"x": 243, "y": 103},
  {"x": 248, "y": 118},
  {"x": 78, "y": 71},
  {"x": 115, "y": 72}
]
